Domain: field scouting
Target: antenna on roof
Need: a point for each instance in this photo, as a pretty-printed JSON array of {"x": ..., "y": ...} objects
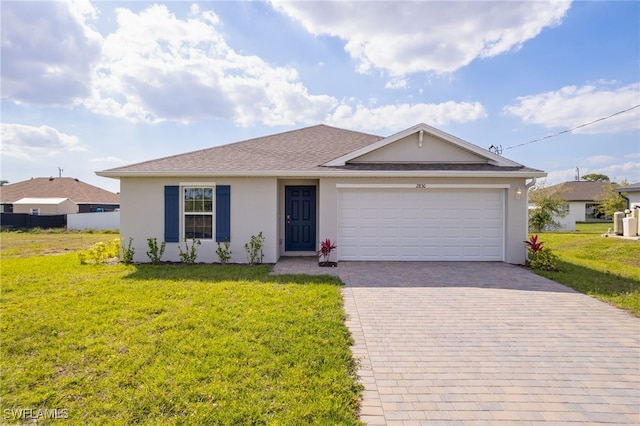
[
  {"x": 577, "y": 173},
  {"x": 60, "y": 170},
  {"x": 496, "y": 149}
]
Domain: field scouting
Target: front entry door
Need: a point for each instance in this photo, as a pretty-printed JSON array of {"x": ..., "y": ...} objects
[{"x": 300, "y": 218}]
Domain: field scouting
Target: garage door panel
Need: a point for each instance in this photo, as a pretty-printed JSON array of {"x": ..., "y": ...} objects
[{"x": 399, "y": 224}]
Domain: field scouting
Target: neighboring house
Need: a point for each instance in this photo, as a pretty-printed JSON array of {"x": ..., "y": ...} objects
[
  {"x": 420, "y": 194},
  {"x": 44, "y": 206},
  {"x": 582, "y": 201},
  {"x": 631, "y": 193},
  {"x": 86, "y": 198}
]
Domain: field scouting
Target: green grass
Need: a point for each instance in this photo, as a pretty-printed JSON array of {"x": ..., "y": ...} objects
[
  {"x": 25, "y": 243},
  {"x": 173, "y": 344},
  {"x": 605, "y": 268}
]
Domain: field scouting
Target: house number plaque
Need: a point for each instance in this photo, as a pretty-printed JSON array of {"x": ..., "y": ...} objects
[{"x": 421, "y": 186}]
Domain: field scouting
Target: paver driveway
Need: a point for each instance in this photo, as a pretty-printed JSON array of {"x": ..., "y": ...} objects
[{"x": 484, "y": 343}]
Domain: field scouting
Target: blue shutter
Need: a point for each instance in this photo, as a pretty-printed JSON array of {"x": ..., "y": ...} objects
[
  {"x": 223, "y": 213},
  {"x": 172, "y": 214}
]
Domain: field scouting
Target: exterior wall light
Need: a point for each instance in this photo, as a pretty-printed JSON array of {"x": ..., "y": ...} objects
[{"x": 518, "y": 193}]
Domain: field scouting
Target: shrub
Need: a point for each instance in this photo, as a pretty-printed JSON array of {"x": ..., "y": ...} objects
[
  {"x": 326, "y": 247},
  {"x": 254, "y": 249},
  {"x": 100, "y": 252},
  {"x": 127, "y": 252},
  {"x": 540, "y": 257},
  {"x": 190, "y": 254},
  {"x": 155, "y": 252},
  {"x": 224, "y": 252}
]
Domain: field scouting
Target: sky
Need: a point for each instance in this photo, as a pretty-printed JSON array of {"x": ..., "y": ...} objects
[{"x": 88, "y": 86}]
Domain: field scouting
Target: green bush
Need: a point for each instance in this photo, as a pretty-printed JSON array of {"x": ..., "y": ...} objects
[
  {"x": 542, "y": 260},
  {"x": 254, "y": 249},
  {"x": 190, "y": 254},
  {"x": 127, "y": 252},
  {"x": 155, "y": 252},
  {"x": 224, "y": 252}
]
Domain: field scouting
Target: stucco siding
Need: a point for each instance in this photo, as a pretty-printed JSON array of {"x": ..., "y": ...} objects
[
  {"x": 407, "y": 150},
  {"x": 253, "y": 210},
  {"x": 515, "y": 214}
]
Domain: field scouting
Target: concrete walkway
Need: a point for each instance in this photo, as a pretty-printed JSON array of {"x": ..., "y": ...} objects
[{"x": 484, "y": 343}]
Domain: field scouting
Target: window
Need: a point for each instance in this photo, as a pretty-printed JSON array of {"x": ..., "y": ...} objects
[
  {"x": 35, "y": 212},
  {"x": 198, "y": 213}
]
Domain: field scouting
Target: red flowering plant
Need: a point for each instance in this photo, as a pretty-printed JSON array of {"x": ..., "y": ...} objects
[
  {"x": 326, "y": 247},
  {"x": 539, "y": 256}
]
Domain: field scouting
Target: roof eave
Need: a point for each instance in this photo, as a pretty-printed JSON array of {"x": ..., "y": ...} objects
[{"x": 327, "y": 173}]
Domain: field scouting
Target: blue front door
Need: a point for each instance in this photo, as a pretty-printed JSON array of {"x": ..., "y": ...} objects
[{"x": 300, "y": 218}]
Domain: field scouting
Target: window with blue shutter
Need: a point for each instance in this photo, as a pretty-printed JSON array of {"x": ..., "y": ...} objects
[
  {"x": 223, "y": 213},
  {"x": 172, "y": 214}
]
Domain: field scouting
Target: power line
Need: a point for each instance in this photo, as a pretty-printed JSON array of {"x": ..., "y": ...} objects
[{"x": 575, "y": 128}]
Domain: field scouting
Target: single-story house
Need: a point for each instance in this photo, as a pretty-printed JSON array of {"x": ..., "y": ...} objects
[
  {"x": 87, "y": 198},
  {"x": 631, "y": 193},
  {"x": 45, "y": 206},
  {"x": 582, "y": 201},
  {"x": 417, "y": 195}
]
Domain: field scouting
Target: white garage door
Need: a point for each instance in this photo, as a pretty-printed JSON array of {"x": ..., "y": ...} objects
[{"x": 421, "y": 224}]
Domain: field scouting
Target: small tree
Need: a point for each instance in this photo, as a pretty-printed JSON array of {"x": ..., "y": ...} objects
[
  {"x": 595, "y": 177},
  {"x": 611, "y": 201},
  {"x": 549, "y": 205}
]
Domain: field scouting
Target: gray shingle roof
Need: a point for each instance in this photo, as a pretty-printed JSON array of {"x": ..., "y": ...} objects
[
  {"x": 579, "y": 190},
  {"x": 61, "y": 187},
  {"x": 634, "y": 187},
  {"x": 303, "y": 149}
]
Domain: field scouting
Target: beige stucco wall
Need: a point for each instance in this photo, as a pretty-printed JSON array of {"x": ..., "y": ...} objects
[
  {"x": 253, "y": 210},
  {"x": 407, "y": 150},
  {"x": 257, "y": 204},
  {"x": 515, "y": 230}
]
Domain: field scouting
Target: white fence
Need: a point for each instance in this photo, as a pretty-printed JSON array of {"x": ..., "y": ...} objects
[{"x": 106, "y": 220}]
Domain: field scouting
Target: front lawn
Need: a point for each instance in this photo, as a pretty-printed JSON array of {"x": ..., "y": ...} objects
[
  {"x": 172, "y": 344},
  {"x": 606, "y": 268}
]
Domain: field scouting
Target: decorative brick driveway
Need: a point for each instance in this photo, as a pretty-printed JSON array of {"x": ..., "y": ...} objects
[{"x": 484, "y": 343}]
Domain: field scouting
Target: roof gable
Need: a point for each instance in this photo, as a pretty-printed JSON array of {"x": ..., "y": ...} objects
[{"x": 422, "y": 144}]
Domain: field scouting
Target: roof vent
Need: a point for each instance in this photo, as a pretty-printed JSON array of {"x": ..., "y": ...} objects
[{"x": 50, "y": 178}]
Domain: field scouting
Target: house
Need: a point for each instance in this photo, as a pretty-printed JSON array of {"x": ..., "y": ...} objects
[
  {"x": 582, "y": 201},
  {"x": 631, "y": 193},
  {"x": 30, "y": 195},
  {"x": 420, "y": 194},
  {"x": 45, "y": 206}
]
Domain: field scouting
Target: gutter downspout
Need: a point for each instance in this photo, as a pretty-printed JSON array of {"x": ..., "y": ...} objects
[{"x": 530, "y": 184}]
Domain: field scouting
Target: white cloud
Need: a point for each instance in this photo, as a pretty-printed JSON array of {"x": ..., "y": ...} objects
[
  {"x": 108, "y": 160},
  {"x": 633, "y": 155},
  {"x": 440, "y": 37},
  {"x": 157, "y": 67},
  {"x": 395, "y": 117},
  {"x": 29, "y": 142},
  {"x": 572, "y": 106},
  {"x": 599, "y": 159},
  {"x": 629, "y": 171},
  {"x": 397, "y": 83},
  {"x": 617, "y": 172},
  {"x": 48, "y": 49}
]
